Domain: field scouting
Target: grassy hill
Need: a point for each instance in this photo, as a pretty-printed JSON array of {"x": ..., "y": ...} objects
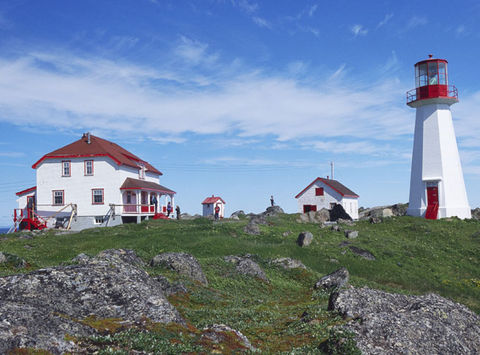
[{"x": 413, "y": 256}]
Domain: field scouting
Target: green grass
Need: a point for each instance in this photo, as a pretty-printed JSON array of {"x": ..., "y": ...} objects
[{"x": 413, "y": 256}]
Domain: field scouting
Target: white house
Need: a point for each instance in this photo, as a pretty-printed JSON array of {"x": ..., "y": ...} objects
[
  {"x": 325, "y": 193},
  {"x": 209, "y": 205},
  {"x": 93, "y": 182}
]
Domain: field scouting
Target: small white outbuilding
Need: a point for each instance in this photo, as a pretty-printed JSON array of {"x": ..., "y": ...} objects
[
  {"x": 209, "y": 205},
  {"x": 325, "y": 193}
]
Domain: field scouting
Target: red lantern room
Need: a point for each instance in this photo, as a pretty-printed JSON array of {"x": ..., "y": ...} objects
[{"x": 431, "y": 82}]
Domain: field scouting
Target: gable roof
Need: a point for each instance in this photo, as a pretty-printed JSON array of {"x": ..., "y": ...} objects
[
  {"x": 212, "y": 199},
  {"x": 26, "y": 191},
  {"x": 98, "y": 147},
  {"x": 137, "y": 184},
  {"x": 334, "y": 184}
]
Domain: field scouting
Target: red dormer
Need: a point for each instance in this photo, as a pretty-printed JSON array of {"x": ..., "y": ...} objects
[{"x": 431, "y": 82}]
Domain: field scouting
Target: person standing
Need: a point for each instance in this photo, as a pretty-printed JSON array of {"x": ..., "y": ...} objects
[
  {"x": 169, "y": 209},
  {"x": 272, "y": 202},
  {"x": 154, "y": 202},
  {"x": 177, "y": 209},
  {"x": 217, "y": 211}
]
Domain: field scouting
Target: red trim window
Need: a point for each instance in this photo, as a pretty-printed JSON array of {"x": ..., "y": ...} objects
[
  {"x": 66, "y": 168},
  {"x": 319, "y": 191},
  {"x": 88, "y": 167},
  {"x": 97, "y": 197},
  {"x": 141, "y": 172},
  {"x": 58, "y": 197}
]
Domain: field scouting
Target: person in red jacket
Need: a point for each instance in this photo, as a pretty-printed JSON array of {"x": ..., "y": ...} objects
[{"x": 217, "y": 211}]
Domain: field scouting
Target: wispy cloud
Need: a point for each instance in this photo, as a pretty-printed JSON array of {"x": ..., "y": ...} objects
[
  {"x": 312, "y": 10},
  {"x": 385, "y": 20},
  {"x": 416, "y": 21},
  {"x": 247, "y": 6},
  {"x": 358, "y": 30},
  {"x": 73, "y": 93},
  {"x": 12, "y": 154},
  {"x": 194, "y": 52},
  {"x": 460, "y": 30},
  {"x": 261, "y": 22}
]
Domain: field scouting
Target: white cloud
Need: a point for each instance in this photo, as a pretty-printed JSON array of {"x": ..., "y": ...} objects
[
  {"x": 359, "y": 30},
  {"x": 312, "y": 10},
  {"x": 385, "y": 20},
  {"x": 194, "y": 52},
  {"x": 261, "y": 22},
  {"x": 416, "y": 21},
  {"x": 67, "y": 92},
  {"x": 12, "y": 154},
  {"x": 245, "y": 5}
]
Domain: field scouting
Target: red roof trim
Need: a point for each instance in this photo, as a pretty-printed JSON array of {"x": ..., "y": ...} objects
[
  {"x": 26, "y": 191},
  {"x": 147, "y": 189},
  {"x": 46, "y": 156},
  {"x": 326, "y": 183},
  {"x": 212, "y": 199}
]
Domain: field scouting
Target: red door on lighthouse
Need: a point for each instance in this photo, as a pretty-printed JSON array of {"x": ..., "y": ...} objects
[{"x": 432, "y": 202}]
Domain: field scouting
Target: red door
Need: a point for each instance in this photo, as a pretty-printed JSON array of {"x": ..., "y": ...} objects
[{"x": 432, "y": 203}]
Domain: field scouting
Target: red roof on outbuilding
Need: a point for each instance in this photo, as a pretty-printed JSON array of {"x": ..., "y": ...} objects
[
  {"x": 98, "y": 147},
  {"x": 212, "y": 199},
  {"x": 26, "y": 191},
  {"x": 334, "y": 184},
  {"x": 137, "y": 184}
]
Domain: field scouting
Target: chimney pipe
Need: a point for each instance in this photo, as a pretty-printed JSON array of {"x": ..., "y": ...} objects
[
  {"x": 88, "y": 137},
  {"x": 332, "y": 166}
]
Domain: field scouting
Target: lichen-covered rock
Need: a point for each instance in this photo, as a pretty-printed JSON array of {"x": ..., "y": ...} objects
[
  {"x": 362, "y": 253},
  {"x": 221, "y": 333},
  {"x": 336, "y": 279},
  {"x": 127, "y": 255},
  {"x": 305, "y": 239},
  {"x": 40, "y": 308},
  {"x": 315, "y": 216},
  {"x": 81, "y": 259},
  {"x": 183, "y": 263},
  {"x": 386, "y": 323},
  {"x": 238, "y": 214},
  {"x": 246, "y": 266},
  {"x": 170, "y": 288},
  {"x": 288, "y": 263},
  {"x": 12, "y": 260}
]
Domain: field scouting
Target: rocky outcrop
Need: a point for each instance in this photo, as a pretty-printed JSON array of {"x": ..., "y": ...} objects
[
  {"x": 336, "y": 279},
  {"x": 338, "y": 212},
  {"x": 252, "y": 229},
  {"x": 476, "y": 213},
  {"x": 170, "y": 288},
  {"x": 288, "y": 263},
  {"x": 237, "y": 214},
  {"x": 304, "y": 239},
  {"x": 221, "y": 333},
  {"x": 273, "y": 211},
  {"x": 41, "y": 308},
  {"x": 244, "y": 265},
  {"x": 183, "y": 263},
  {"x": 314, "y": 216},
  {"x": 12, "y": 260},
  {"x": 398, "y": 209},
  {"x": 385, "y": 323},
  {"x": 351, "y": 234}
]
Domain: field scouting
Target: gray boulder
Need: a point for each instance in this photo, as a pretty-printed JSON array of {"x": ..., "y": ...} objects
[
  {"x": 305, "y": 239},
  {"x": 258, "y": 219},
  {"x": 338, "y": 212},
  {"x": 237, "y": 214},
  {"x": 362, "y": 253},
  {"x": 351, "y": 234},
  {"x": 386, "y": 323},
  {"x": 244, "y": 265},
  {"x": 40, "y": 308},
  {"x": 476, "y": 213},
  {"x": 273, "y": 211},
  {"x": 221, "y": 333},
  {"x": 288, "y": 263},
  {"x": 81, "y": 259},
  {"x": 314, "y": 216},
  {"x": 183, "y": 263},
  {"x": 170, "y": 288},
  {"x": 12, "y": 260},
  {"x": 126, "y": 255},
  {"x": 336, "y": 279}
]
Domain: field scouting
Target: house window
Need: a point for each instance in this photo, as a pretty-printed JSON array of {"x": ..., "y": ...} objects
[
  {"x": 129, "y": 197},
  {"x": 97, "y": 196},
  {"x": 88, "y": 167},
  {"x": 319, "y": 191},
  {"x": 58, "y": 198},
  {"x": 99, "y": 220},
  {"x": 141, "y": 172},
  {"x": 66, "y": 168}
]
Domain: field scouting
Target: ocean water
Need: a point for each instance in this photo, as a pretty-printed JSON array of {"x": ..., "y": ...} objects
[{"x": 3, "y": 230}]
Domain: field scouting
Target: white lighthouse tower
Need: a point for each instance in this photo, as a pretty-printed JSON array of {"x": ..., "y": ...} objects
[{"x": 437, "y": 189}]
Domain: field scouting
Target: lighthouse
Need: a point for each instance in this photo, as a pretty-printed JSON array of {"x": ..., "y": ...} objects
[{"x": 437, "y": 188}]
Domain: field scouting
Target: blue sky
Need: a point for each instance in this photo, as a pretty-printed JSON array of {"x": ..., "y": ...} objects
[{"x": 237, "y": 98}]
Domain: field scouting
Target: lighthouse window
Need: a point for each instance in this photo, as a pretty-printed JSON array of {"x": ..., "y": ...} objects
[
  {"x": 432, "y": 73},
  {"x": 422, "y": 75},
  {"x": 442, "y": 75}
]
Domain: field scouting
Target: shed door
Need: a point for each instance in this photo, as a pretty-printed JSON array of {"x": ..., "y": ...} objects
[{"x": 432, "y": 202}]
